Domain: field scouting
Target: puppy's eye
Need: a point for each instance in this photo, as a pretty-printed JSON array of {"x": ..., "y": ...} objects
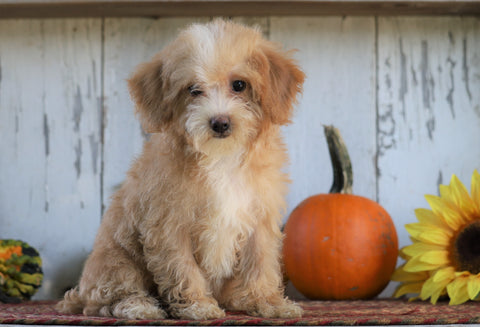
[
  {"x": 239, "y": 86},
  {"x": 195, "y": 91}
]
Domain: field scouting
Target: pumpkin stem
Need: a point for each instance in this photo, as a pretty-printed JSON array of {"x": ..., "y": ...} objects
[{"x": 341, "y": 164}]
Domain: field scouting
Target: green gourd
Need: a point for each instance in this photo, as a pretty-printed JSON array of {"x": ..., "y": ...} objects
[{"x": 20, "y": 271}]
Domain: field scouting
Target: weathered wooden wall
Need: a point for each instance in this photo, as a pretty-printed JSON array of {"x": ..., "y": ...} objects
[{"x": 405, "y": 92}]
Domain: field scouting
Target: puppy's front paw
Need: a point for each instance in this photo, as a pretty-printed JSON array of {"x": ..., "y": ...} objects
[
  {"x": 138, "y": 308},
  {"x": 201, "y": 310},
  {"x": 286, "y": 309}
]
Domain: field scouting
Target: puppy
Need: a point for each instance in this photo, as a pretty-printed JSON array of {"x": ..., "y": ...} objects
[{"x": 194, "y": 229}]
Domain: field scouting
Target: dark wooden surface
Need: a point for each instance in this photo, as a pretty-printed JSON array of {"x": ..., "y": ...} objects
[{"x": 159, "y": 8}]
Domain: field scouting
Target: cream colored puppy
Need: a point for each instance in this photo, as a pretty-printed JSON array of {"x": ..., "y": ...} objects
[{"x": 195, "y": 229}]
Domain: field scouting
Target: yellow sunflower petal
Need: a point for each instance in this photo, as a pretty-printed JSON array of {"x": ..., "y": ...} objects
[
  {"x": 440, "y": 280},
  {"x": 416, "y": 230},
  {"x": 473, "y": 286},
  {"x": 420, "y": 248},
  {"x": 409, "y": 288},
  {"x": 462, "y": 274},
  {"x": 413, "y": 239},
  {"x": 438, "y": 237},
  {"x": 416, "y": 265},
  {"x": 447, "y": 273},
  {"x": 433, "y": 289},
  {"x": 435, "y": 296},
  {"x": 400, "y": 275},
  {"x": 451, "y": 216},
  {"x": 457, "y": 291},
  {"x": 448, "y": 196},
  {"x": 446, "y": 193},
  {"x": 462, "y": 198},
  {"x": 428, "y": 288},
  {"x": 475, "y": 190},
  {"x": 453, "y": 200},
  {"x": 403, "y": 255},
  {"x": 426, "y": 216},
  {"x": 435, "y": 257}
]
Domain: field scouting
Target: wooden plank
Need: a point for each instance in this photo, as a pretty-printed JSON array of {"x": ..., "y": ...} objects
[
  {"x": 50, "y": 146},
  {"x": 262, "y": 22},
  {"x": 128, "y": 42},
  {"x": 329, "y": 50},
  {"x": 157, "y": 8},
  {"x": 429, "y": 109}
]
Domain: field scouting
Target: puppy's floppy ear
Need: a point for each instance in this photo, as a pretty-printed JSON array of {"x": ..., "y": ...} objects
[
  {"x": 282, "y": 82},
  {"x": 147, "y": 88}
]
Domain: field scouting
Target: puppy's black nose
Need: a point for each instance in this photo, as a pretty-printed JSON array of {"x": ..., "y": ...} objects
[{"x": 220, "y": 125}]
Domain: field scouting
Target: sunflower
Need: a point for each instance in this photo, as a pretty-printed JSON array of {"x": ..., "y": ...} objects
[{"x": 444, "y": 257}]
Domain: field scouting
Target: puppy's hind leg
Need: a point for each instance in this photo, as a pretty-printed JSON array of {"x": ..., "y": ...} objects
[
  {"x": 72, "y": 303},
  {"x": 128, "y": 294},
  {"x": 114, "y": 284}
]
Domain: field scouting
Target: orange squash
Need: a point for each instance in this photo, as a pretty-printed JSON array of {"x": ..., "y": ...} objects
[{"x": 339, "y": 246}]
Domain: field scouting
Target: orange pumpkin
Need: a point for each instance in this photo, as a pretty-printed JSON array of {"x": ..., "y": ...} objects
[{"x": 339, "y": 246}]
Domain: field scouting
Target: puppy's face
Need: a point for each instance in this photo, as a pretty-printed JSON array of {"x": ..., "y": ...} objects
[{"x": 217, "y": 86}]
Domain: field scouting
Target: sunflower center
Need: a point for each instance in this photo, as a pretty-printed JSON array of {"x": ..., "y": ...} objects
[{"x": 467, "y": 248}]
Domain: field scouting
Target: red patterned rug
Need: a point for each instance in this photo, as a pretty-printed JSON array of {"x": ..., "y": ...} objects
[{"x": 340, "y": 313}]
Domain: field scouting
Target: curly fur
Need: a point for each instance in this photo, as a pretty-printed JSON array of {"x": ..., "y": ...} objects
[{"x": 194, "y": 229}]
